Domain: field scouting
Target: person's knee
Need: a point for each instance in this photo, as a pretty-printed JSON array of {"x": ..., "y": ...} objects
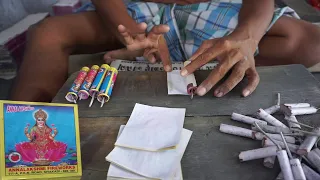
[
  {"x": 48, "y": 34},
  {"x": 306, "y": 45}
]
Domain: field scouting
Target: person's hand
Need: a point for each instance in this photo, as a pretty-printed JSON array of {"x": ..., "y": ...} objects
[
  {"x": 152, "y": 46},
  {"x": 234, "y": 52}
]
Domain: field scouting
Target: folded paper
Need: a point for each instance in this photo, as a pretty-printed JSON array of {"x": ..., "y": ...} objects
[{"x": 152, "y": 128}]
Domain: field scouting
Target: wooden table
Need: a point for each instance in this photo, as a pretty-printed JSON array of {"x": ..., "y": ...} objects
[{"x": 210, "y": 154}]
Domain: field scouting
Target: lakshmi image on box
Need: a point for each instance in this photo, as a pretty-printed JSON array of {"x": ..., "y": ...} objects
[{"x": 39, "y": 135}]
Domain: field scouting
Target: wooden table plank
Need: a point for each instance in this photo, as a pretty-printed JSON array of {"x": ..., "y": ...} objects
[
  {"x": 294, "y": 83},
  {"x": 210, "y": 154}
]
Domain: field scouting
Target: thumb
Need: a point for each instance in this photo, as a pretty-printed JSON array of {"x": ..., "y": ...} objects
[{"x": 122, "y": 54}]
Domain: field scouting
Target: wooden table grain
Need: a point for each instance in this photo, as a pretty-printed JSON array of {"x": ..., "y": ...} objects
[{"x": 210, "y": 154}]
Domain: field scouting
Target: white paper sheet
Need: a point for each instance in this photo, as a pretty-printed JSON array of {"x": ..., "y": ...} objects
[
  {"x": 177, "y": 84},
  {"x": 118, "y": 172},
  {"x": 152, "y": 128},
  {"x": 157, "y": 165}
]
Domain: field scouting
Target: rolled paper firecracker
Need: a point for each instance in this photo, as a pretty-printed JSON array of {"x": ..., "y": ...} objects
[
  {"x": 95, "y": 87},
  {"x": 85, "y": 87},
  {"x": 260, "y": 136},
  {"x": 317, "y": 151},
  {"x": 270, "y": 119},
  {"x": 314, "y": 159},
  {"x": 191, "y": 81},
  {"x": 310, "y": 173},
  {"x": 298, "y": 105},
  {"x": 285, "y": 165},
  {"x": 258, "y": 153},
  {"x": 297, "y": 170},
  {"x": 270, "y": 110},
  {"x": 234, "y": 130},
  {"x": 268, "y": 162},
  {"x": 272, "y": 129},
  {"x": 246, "y": 119},
  {"x": 107, "y": 86},
  {"x": 295, "y": 111},
  {"x": 308, "y": 143},
  {"x": 280, "y": 176},
  {"x": 267, "y": 142},
  {"x": 291, "y": 124},
  {"x": 72, "y": 94}
]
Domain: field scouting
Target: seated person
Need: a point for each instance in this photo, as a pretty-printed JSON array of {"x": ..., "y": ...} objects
[{"x": 238, "y": 34}]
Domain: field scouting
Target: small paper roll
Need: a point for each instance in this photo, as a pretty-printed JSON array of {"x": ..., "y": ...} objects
[
  {"x": 285, "y": 165},
  {"x": 308, "y": 143},
  {"x": 317, "y": 151},
  {"x": 270, "y": 119},
  {"x": 260, "y": 136},
  {"x": 297, "y": 170},
  {"x": 298, "y": 111},
  {"x": 234, "y": 130},
  {"x": 268, "y": 162},
  {"x": 291, "y": 124},
  {"x": 298, "y": 105},
  {"x": 292, "y": 147},
  {"x": 310, "y": 173},
  {"x": 272, "y": 129},
  {"x": 258, "y": 153},
  {"x": 246, "y": 119},
  {"x": 280, "y": 176},
  {"x": 314, "y": 159},
  {"x": 270, "y": 110}
]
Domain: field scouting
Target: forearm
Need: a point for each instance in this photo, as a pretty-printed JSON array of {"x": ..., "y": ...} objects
[
  {"x": 255, "y": 17},
  {"x": 113, "y": 13}
]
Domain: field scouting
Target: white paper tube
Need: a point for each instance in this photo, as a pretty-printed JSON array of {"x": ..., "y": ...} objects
[
  {"x": 258, "y": 153},
  {"x": 314, "y": 159},
  {"x": 297, "y": 170},
  {"x": 260, "y": 136},
  {"x": 272, "y": 129},
  {"x": 317, "y": 151},
  {"x": 301, "y": 111},
  {"x": 308, "y": 143},
  {"x": 280, "y": 176},
  {"x": 267, "y": 142},
  {"x": 270, "y": 110},
  {"x": 234, "y": 130},
  {"x": 298, "y": 105},
  {"x": 310, "y": 173},
  {"x": 270, "y": 119},
  {"x": 292, "y": 118},
  {"x": 268, "y": 162},
  {"x": 246, "y": 119},
  {"x": 285, "y": 165}
]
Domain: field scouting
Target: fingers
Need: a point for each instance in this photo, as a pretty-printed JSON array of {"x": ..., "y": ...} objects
[
  {"x": 253, "y": 81},
  {"x": 149, "y": 54},
  {"x": 236, "y": 76},
  {"x": 203, "y": 47},
  {"x": 215, "y": 50},
  {"x": 121, "y": 54},
  {"x": 219, "y": 72},
  {"x": 125, "y": 33},
  {"x": 156, "y": 31},
  {"x": 164, "y": 54},
  {"x": 142, "y": 36}
]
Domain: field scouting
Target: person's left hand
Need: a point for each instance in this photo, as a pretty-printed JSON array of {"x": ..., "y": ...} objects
[{"x": 234, "y": 52}]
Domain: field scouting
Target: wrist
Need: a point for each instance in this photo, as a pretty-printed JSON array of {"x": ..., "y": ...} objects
[{"x": 247, "y": 32}]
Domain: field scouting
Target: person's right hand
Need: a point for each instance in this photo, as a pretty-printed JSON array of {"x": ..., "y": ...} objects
[{"x": 152, "y": 46}]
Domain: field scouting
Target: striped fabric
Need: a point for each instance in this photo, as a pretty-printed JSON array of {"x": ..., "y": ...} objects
[{"x": 191, "y": 24}]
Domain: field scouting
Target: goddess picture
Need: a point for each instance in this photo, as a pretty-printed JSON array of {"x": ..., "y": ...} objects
[{"x": 41, "y": 149}]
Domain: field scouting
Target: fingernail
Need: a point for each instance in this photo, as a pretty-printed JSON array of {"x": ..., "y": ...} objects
[
  {"x": 219, "y": 93},
  {"x": 246, "y": 93},
  {"x": 184, "y": 72},
  {"x": 201, "y": 91},
  {"x": 167, "y": 68}
]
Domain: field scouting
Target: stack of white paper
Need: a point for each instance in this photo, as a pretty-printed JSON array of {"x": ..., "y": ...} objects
[{"x": 151, "y": 145}]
